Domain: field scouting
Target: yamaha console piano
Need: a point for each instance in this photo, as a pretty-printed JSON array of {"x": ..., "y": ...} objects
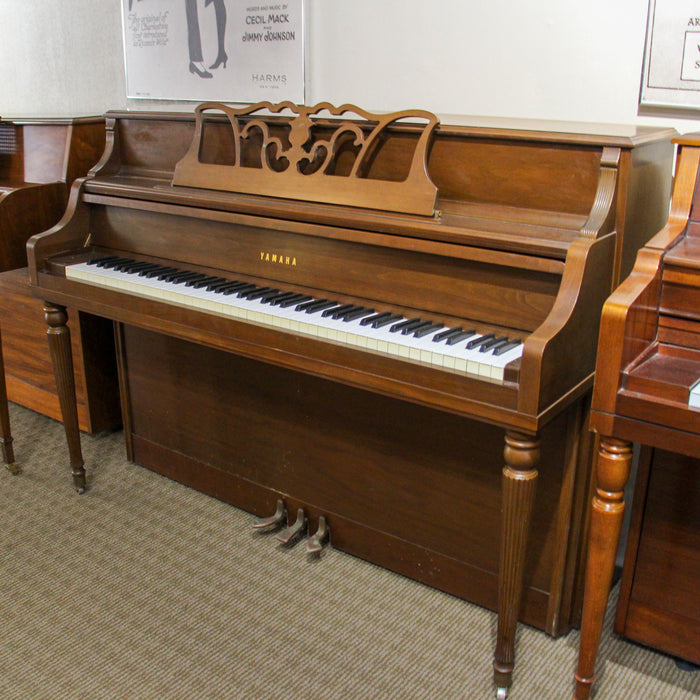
[
  {"x": 647, "y": 390},
  {"x": 344, "y": 322}
]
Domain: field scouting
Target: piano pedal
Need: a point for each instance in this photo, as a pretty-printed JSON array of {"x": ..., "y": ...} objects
[
  {"x": 274, "y": 521},
  {"x": 318, "y": 540},
  {"x": 292, "y": 534}
]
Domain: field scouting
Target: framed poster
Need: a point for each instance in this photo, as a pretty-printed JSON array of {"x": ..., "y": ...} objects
[
  {"x": 671, "y": 74},
  {"x": 221, "y": 50}
]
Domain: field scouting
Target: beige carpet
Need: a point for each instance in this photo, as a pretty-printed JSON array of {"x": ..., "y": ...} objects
[{"x": 143, "y": 588}]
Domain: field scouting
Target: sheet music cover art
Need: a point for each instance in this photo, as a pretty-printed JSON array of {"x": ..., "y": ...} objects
[
  {"x": 671, "y": 74},
  {"x": 222, "y": 50}
]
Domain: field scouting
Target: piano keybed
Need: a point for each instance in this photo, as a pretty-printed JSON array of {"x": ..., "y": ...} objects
[{"x": 465, "y": 350}]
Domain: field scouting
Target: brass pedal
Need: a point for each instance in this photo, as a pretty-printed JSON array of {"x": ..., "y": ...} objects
[
  {"x": 274, "y": 521},
  {"x": 290, "y": 535},
  {"x": 318, "y": 540}
]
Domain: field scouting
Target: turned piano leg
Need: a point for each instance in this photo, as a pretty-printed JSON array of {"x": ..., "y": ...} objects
[
  {"x": 62, "y": 360},
  {"x": 612, "y": 473},
  {"x": 522, "y": 453},
  {"x": 8, "y": 454}
]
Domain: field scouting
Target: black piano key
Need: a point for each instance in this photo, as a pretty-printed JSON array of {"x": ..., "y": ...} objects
[
  {"x": 158, "y": 271},
  {"x": 237, "y": 288},
  {"x": 260, "y": 293},
  {"x": 341, "y": 311},
  {"x": 185, "y": 276},
  {"x": 447, "y": 333},
  {"x": 507, "y": 346},
  {"x": 454, "y": 339},
  {"x": 202, "y": 281},
  {"x": 408, "y": 323},
  {"x": 479, "y": 341},
  {"x": 381, "y": 322},
  {"x": 356, "y": 313},
  {"x": 296, "y": 299},
  {"x": 99, "y": 261},
  {"x": 219, "y": 286},
  {"x": 130, "y": 267},
  {"x": 107, "y": 264},
  {"x": 493, "y": 343},
  {"x": 431, "y": 328},
  {"x": 375, "y": 317},
  {"x": 189, "y": 277},
  {"x": 169, "y": 274},
  {"x": 147, "y": 268},
  {"x": 278, "y": 298},
  {"x": 320, "y": 306},
  {"x": 337, "y": 310},
  {"x": 249, "y": 289},
  {"x": 410, "y": 330},
  {"x": 306, "y": 304}
]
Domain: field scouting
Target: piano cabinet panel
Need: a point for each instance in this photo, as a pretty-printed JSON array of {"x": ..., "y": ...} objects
[
  {"x": 29, "y": 376},
  {"x": 411, "y": 488},
  {"x": 658, "y": 603}
]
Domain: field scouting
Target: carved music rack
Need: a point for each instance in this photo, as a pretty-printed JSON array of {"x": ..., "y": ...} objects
[{"x": 297, "y": 153}]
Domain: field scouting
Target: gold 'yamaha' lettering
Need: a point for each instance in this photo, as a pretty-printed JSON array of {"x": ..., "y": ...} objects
[{"x": 278, "y": 258}]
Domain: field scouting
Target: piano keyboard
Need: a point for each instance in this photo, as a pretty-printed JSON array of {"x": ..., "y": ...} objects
[
  {"x": 694, "y": 400},
  {"x": 455, "y": 349}
]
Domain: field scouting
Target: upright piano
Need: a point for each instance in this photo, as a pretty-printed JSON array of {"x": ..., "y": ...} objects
[
  {"x": 647, "y": 386},
  {"x": 40, "y": 157},
  {"x": 344, "y": 322}
]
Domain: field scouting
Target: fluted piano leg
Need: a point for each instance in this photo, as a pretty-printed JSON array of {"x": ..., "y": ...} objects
[
  {"x": 522, "y": 453},
  {"x": 612, "y": 473},
  {"x": 8, "y": 454},
  {"x": 62, "y": 360}
]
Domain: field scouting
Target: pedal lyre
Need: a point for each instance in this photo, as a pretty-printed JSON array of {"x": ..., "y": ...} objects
[
  {"x": 291, "y": 534},
  {"x": 274, "y": 521},
  {"x": 317, "y": 541}
]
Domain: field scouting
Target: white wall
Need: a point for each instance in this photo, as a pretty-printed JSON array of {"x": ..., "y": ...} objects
[{"x": 549, "y": 59}]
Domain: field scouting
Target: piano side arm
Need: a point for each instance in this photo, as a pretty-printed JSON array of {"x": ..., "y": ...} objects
[
  {"x": 69, "y": 234},
  {"x": 560, "y": 355},
  {"x": 631, "y": 310},
  {"x": 24, "y": 211}
]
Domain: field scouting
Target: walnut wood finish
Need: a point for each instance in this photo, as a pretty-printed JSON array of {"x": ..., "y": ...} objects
[
  {"x": 39, "y": 160},
  {"x": 647, "y": 362},
  {"x": 658, "y": 603},
  {"x": 62, "y": 358},
  {"x": 28, "y": 369},
  {"x": 8, "y": 454},
  {"x": 527, "y": 236}
]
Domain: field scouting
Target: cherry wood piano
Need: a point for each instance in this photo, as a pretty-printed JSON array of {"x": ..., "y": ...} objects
[
  {"x": 646, "y": 389},
  {"x": 344, "y": 323}
]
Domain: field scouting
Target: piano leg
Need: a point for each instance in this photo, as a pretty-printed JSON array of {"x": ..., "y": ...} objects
[
  {"x": 522, "y": 453},
  {"x": 62, "y": 359},
  {"x": 5, "y": 435},
  {"x": 612, "y": 472}
]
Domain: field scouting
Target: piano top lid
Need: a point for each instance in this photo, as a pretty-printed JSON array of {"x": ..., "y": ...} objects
[{"x": 50, "y": 120}]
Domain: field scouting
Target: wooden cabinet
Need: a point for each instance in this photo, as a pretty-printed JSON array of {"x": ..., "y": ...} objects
[
  {"x": 659, "y": 603},
  {"x": 39, "y": 160}
]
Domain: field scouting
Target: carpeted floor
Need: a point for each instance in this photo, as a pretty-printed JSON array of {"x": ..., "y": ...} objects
[{"x": 143, "y": 588}]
